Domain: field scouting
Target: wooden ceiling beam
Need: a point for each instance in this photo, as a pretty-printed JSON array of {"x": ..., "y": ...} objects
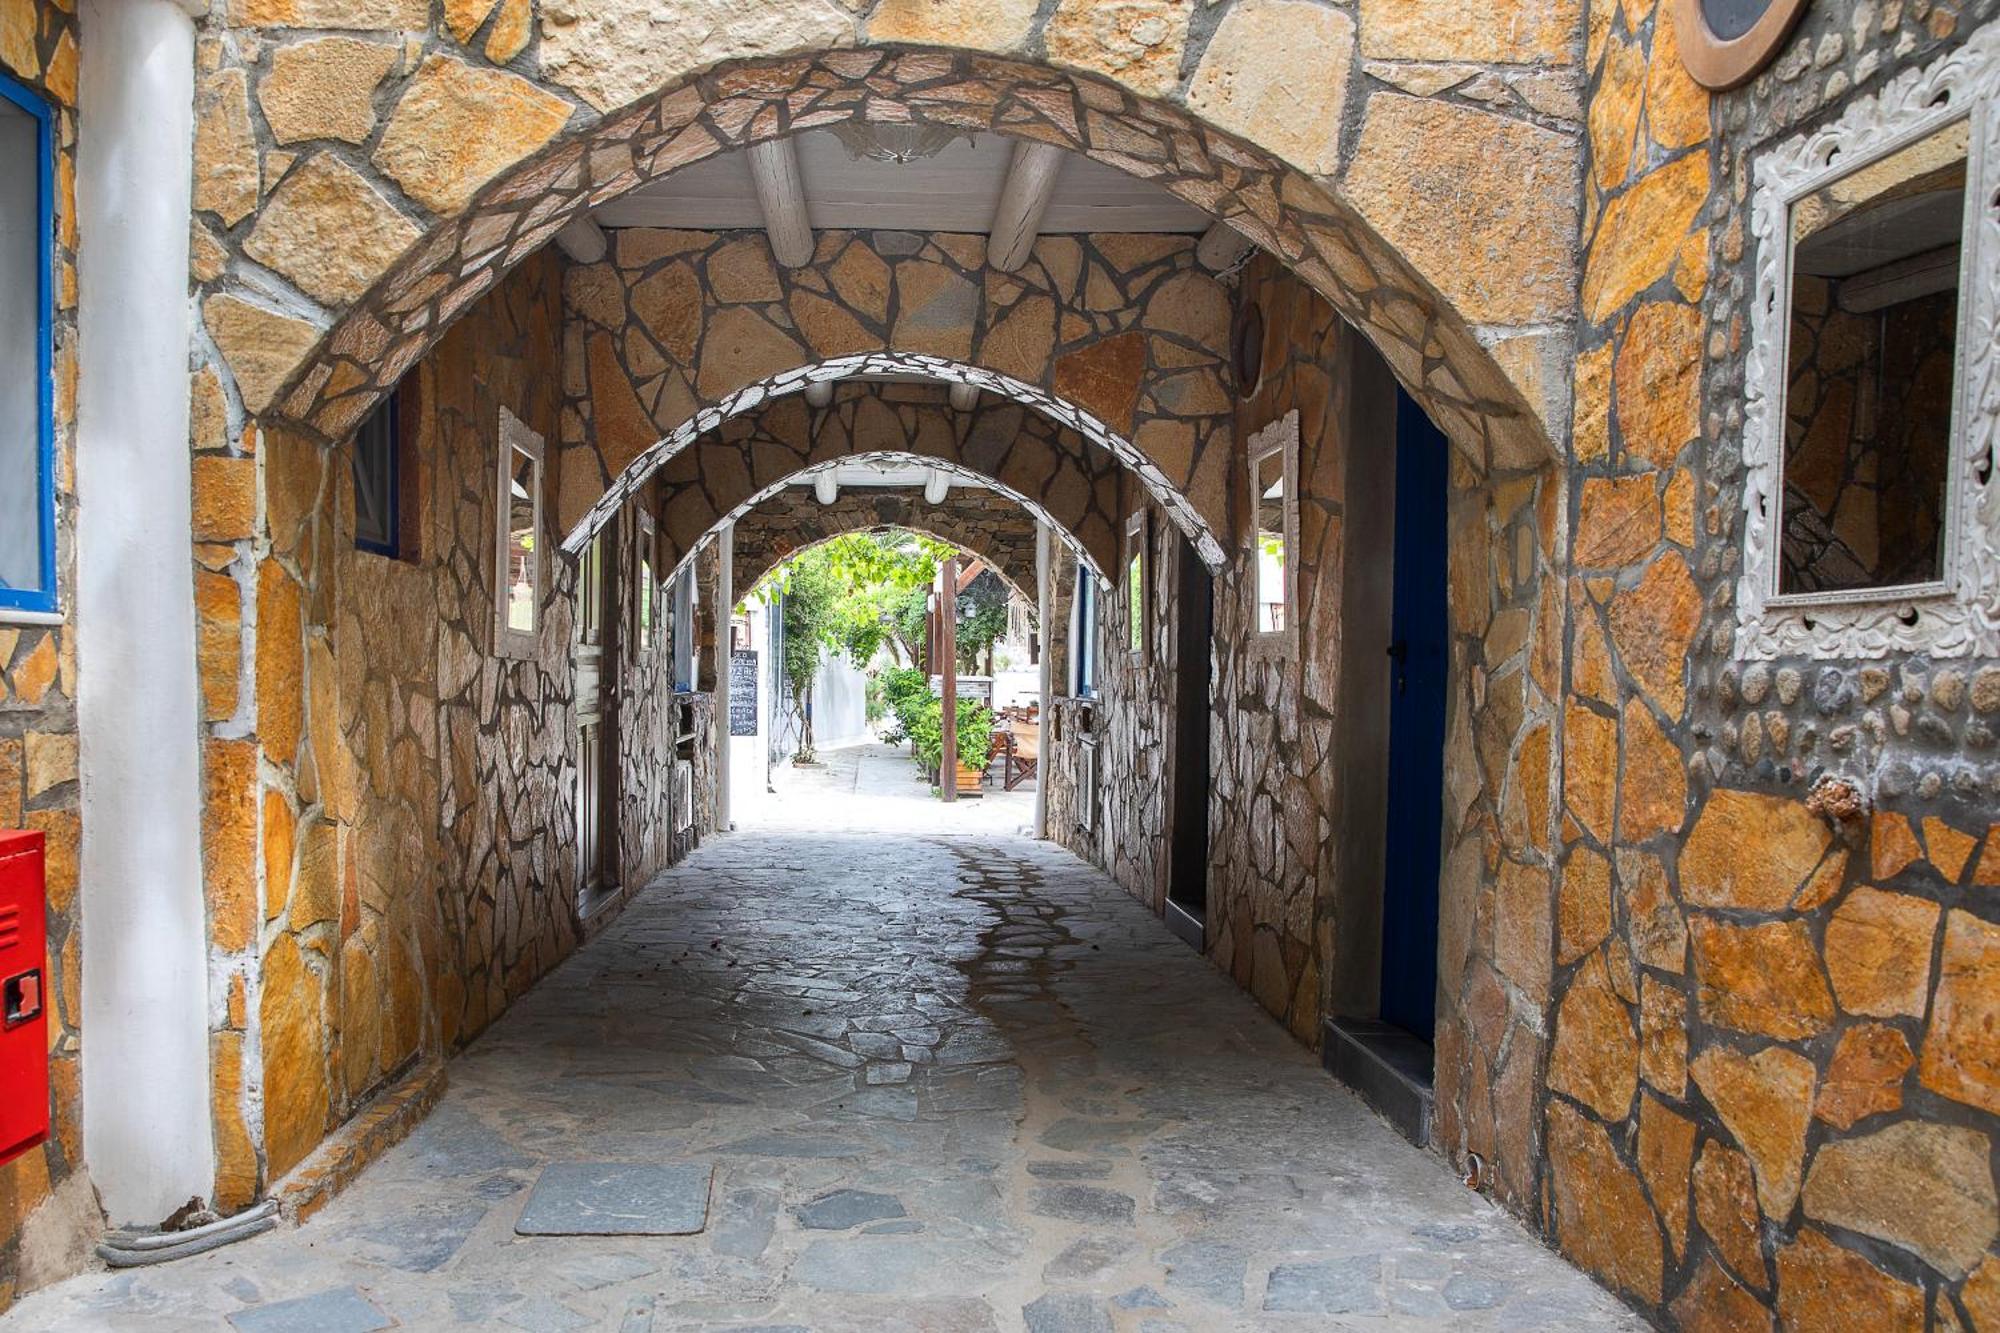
[
  {"x": 774, "y": 171},
  {"x": 1017, "y": 219},
  {"x": 1221, "y": 248}
]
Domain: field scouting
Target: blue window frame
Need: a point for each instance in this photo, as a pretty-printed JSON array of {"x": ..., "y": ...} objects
[{"x": 27, "y": 404}]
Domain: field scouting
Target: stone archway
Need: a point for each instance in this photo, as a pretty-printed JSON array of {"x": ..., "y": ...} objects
[
  {"x": 1030, "y": 511},
  {"x": 1048, "y": 470},
  {"x": 299, "y": 339},
  {"x": 1454, "y": 284},
  {"x": 988, "y": 526}
]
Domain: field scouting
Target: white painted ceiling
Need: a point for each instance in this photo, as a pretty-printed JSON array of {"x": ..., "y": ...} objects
[{"x": 953, "y": 191}]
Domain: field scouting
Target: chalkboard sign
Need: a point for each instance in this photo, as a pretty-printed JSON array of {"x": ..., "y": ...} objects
[{"x": 743, "y": 692}]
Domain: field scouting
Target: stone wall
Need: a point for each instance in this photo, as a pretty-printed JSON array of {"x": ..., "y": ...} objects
[
  {"x": 1131, "y": 723},
  {"x": 990, "y": 526},
  {"x": 657, "y": 727},
  {"x": 417, "y": 868},
  {"x": 1770, "y": 1078},
  {"x": 447, "y": 150},
  {"x": 1042, "y": 467},
  {"x": 676, "y": 322},
  {"x": 38, "y": 776},
  {"x": 1293, "y": 904}
]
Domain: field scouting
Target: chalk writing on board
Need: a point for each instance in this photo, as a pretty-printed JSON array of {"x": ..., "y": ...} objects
[{"x": 743, "y": 692}]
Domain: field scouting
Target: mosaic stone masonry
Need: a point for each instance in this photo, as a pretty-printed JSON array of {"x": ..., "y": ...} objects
[
  {"x": 538, "y": 157},
  {"x": 1045, "y": 472},
  {"x": 1727, "y": 1044},
  {"x": 382, "y": 878},
  {"x": 1766, "y": 1094},
  {"x": 992, "y": 527},
  {"x": 686, "y": 330}
]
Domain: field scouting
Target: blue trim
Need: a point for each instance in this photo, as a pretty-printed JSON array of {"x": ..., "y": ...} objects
[{"x": 44, "y": 597}]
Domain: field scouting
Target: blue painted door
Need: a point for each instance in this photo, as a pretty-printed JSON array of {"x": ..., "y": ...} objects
[{"x": 1419, "y": 663}]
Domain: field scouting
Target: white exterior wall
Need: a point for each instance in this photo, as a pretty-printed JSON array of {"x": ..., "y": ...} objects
[{"x": 146, "y": 1127}]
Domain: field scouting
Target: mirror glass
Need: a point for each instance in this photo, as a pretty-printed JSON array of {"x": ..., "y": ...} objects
[
  {"x": 1870, "y": 372},
  {"x": 1135, "y": 593},
  {"x": 521, "y": 565},
  {"x": 1271, "y": 554}
]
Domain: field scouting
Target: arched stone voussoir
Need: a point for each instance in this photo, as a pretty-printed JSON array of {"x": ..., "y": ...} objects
[
  {"x": 675, "y": 557},
  {"x": 1053, "y": 455},
  {"x": 985, "y": 523},
  {"x": 1446, "y": 233},
  {"x": 1047, "y": 468}
]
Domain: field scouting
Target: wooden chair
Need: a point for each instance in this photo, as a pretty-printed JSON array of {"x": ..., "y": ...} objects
[{"x": 1022, "y": 753}]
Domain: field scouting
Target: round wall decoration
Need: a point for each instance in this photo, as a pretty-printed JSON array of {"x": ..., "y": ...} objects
[
  {"x": 1726, "y": 43},
  {"x": 1247, "y": 348}
]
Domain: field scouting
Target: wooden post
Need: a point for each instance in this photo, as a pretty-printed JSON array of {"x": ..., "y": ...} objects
[
  {"x": 948, "y": 658},
  {"x": 725, "y": 544},
  {"x": 1044, "y": 574}
]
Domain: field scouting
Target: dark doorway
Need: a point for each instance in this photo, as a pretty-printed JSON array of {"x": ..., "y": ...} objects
[
  {"x": 598, "y": 635},
  {"x": 1187, "y": 873},
  {"x": 1419, "y": 650}
]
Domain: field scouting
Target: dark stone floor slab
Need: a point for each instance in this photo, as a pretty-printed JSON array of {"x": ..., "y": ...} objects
[
  {"x": 341, "y": 1310},
  {"x": 1052, "y": 1113},
  {"x": 842, "y": 1209},
  {"x": 617, "y": 1199}
]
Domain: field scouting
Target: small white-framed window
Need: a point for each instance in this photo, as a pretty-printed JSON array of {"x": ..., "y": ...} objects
[
  {"x": 27, "y": 411},
  {"x": 645, "y": 592},
  {"x": 1273, "y": 478},
  {"x": 1137, "y": 571},
  {"x": 1870, "y": 523},
  {"x": 519, "y": 559}
]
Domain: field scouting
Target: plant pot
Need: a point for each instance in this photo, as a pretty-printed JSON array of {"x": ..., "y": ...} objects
[{"x": 968, "y": 780}]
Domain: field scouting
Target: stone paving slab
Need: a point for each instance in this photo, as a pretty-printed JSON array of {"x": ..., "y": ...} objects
[
  {"x": 342, "y": 1310},
  {"x": 617, "y": 1199},
  {"x": 1090, "y": 1128}
]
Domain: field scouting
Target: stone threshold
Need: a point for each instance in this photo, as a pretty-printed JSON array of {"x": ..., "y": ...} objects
[
  {"x": 1187, "y": 925},
  {"x": 379, "y": 1126},
  {"x": 1389, "y": 1068}
]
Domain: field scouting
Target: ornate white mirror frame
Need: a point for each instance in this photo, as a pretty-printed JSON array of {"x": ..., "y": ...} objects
[{"x": 1959, "y": 615}]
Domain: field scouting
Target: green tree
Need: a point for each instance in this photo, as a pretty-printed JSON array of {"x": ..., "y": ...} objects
[
  {"x": 808, "y": 609},
  {"x": 982, "y": 620},
  {"x": 849, "y": 594}
]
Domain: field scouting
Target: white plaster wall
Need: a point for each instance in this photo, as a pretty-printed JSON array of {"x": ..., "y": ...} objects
[
  {"x": 839, "y": 703},
  {"x": 146, "y": 1129}
]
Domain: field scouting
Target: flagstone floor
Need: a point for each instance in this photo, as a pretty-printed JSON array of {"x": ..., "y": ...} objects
[{"x": 947, "y": 1079}]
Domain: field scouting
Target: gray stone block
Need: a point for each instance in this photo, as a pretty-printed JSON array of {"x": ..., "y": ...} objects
[
  {"x": 617, "y": 1199},
  {"x": 341, "y": 1310}
]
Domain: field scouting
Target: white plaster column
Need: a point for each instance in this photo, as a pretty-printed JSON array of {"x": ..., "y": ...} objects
[
  {"x": 1042, "y": 598},
  {"x": 146, "y": 1131},
  {"x": 725, "y": 546}
]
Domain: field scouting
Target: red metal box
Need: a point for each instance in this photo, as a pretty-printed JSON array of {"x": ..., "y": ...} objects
[{"x": 24, "y": 1024}]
